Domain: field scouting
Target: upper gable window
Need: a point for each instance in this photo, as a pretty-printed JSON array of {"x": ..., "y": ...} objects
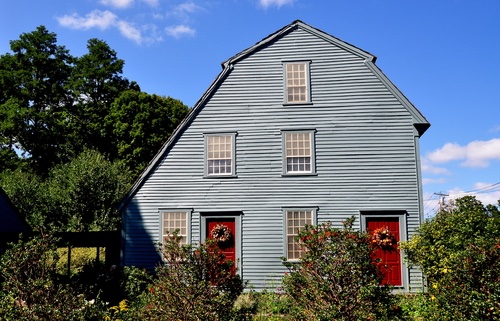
[
  {"x": 219, "y": 155},
  {"x": 297, "y": 89}
]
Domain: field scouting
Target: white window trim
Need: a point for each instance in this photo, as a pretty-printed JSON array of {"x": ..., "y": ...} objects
[
  {"x": 286, "y": 210},
  {"x": 233, "y": 155},
  {"x": 312, "y": 134},
  {"x": 188, "y": 212},
  {"x": 306, "y": 63}
]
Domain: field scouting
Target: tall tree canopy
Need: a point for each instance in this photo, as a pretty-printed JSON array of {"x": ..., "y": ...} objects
[
  {"x": 54, "y": 105},
  {"x": 74, "y": 131},
  {"x": 34, "y": 98}
]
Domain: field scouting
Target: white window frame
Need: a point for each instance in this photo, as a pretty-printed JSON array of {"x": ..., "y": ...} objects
[
  {"x": 299, "y": 153},
  {"x": 209, "y": 155},
  {"x": 289, "y": 232},
  {"x": 183, "y": 223},
  {"x": 296, "y": 80}
]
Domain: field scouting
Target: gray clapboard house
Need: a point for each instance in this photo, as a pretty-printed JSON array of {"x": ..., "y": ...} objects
[{"x": 299, "y": 128}]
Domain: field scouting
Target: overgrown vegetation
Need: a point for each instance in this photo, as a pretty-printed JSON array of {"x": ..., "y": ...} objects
[
  {"x": 196, "y": 283},
  {"x": 459, "y": 252},
  {"x": 337, "y": 278}
]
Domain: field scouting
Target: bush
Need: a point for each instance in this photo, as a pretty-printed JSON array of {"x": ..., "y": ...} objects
[
  {"x": 31, "y": 287},
  {"x": 196, "y": 283},
  {"x": 336, "y": 278},
  {"x": 459, "y": 252}
]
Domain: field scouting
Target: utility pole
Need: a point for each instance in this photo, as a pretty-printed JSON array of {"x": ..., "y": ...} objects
[{"x": 441, "y": 195}]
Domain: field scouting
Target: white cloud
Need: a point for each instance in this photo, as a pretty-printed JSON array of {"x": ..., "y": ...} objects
[
  {"x": 152, "y": 3},
  {"x": 426, "y": 181},
  {"x": 277, "y": 3},
  {"x": 129, "y": 31},
  {"x": 180, "y": 30},
  {"x": 102, "y": 20},
  {"x": 428, "y": 167},
  {"x": 120, "y": 4},
  {"x": 474, "y": 154},
  {"x": 495, "y": 129},
  {"x": 484, "y": 192},
  {"x": 95, "y": 19}
]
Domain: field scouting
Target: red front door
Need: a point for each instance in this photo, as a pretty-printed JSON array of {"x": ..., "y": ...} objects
[
  {"x": 228, "y": 248},
  {"x": 390, "y": 257}
]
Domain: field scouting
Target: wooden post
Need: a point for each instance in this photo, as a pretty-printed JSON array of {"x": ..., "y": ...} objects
[{"x": 69, "y": 261}]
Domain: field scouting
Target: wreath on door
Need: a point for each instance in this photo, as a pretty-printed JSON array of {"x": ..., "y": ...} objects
[
  {"x": 221, "y": 233},
  {"x": 384, "y": 238}
]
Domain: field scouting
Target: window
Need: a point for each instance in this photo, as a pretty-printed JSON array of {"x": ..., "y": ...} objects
[
  {"x": 298, "y": 152},
  {"x": 297, "y": 82},
  {"x": 174, "y": 220},
  {"x": 296, "y": 219},
  {"x": 219, "y": 154}
]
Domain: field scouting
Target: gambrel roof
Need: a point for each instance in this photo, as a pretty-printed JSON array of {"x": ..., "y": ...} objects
[{"x": 419, "y": 121}]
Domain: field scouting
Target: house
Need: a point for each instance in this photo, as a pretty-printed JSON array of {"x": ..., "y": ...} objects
[
  {"x": 299, "y": 128},
  {"x": 12, "y": 222}
]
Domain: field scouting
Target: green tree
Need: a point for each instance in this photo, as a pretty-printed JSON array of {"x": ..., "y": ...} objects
[
  {"x": 459, "y": 252},
  {"x": 96, "y": 81},
  {"x": 141, "y": 124},
  {"x": 34, "y": 98},
  {"x": 81, "y": 195}
]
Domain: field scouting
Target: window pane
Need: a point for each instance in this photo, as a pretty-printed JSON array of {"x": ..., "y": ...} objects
[
  {"x": 296, "y": 82},
  {"x": 295, "y": 221},
  {"x": 173, "y": 221},
  {"x": 219, "y": 154}
]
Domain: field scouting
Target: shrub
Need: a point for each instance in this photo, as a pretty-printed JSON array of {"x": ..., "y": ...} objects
[
  {"x": 31, "y": 287},
  {"x": 196, "y": 283},
  {"x": 336, "y": 278},
  {"x": 459, "y": 252}
]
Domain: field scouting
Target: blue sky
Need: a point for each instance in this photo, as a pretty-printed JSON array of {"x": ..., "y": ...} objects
[{"x": 440, "y": 54}]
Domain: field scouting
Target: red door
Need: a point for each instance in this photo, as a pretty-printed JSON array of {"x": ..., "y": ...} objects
[
  {"x": 390, "y": 257},
  {"x": 228, "y": 247}
]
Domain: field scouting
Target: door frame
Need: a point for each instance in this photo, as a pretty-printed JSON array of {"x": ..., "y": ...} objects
[
  {"x": 236, "y": 215},
  {"x": 401, "y": 216}
]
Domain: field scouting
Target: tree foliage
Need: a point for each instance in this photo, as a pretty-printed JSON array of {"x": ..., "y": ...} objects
[
  {"x": 459, "y": 252},
  {"x": 79, "y": 196},
  {"x": 54, "y": 105}
]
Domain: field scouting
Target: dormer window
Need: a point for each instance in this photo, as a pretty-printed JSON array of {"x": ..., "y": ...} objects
[{"x": 297, "y": 88}]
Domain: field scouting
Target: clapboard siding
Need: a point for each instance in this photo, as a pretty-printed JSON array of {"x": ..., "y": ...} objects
[{"x": 365, "y": 150}]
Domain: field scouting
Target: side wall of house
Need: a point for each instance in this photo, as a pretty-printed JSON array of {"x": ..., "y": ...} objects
[
  {"x": 10, "y": 221},
  {"x": 364, "y": 148}
]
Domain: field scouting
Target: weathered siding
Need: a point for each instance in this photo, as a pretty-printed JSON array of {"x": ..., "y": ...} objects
[{"x": 365, "y": 154}]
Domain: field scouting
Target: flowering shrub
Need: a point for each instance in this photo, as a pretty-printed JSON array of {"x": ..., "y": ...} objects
[
  {"x": 31, "y": 288},
  {"x": 336, "y": 278},
  {"x": 459, "y": 252},
  {"x": 196, "y": 283}
]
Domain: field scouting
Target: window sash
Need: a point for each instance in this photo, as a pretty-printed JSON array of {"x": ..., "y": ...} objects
[
  {"x": 173, "y": 220},
  {"x": 219, "y": 155},
  {"x": 297, "y": 82},
  {"x": 295, "y": 221},
  {"x": 298, "y": 152}
]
